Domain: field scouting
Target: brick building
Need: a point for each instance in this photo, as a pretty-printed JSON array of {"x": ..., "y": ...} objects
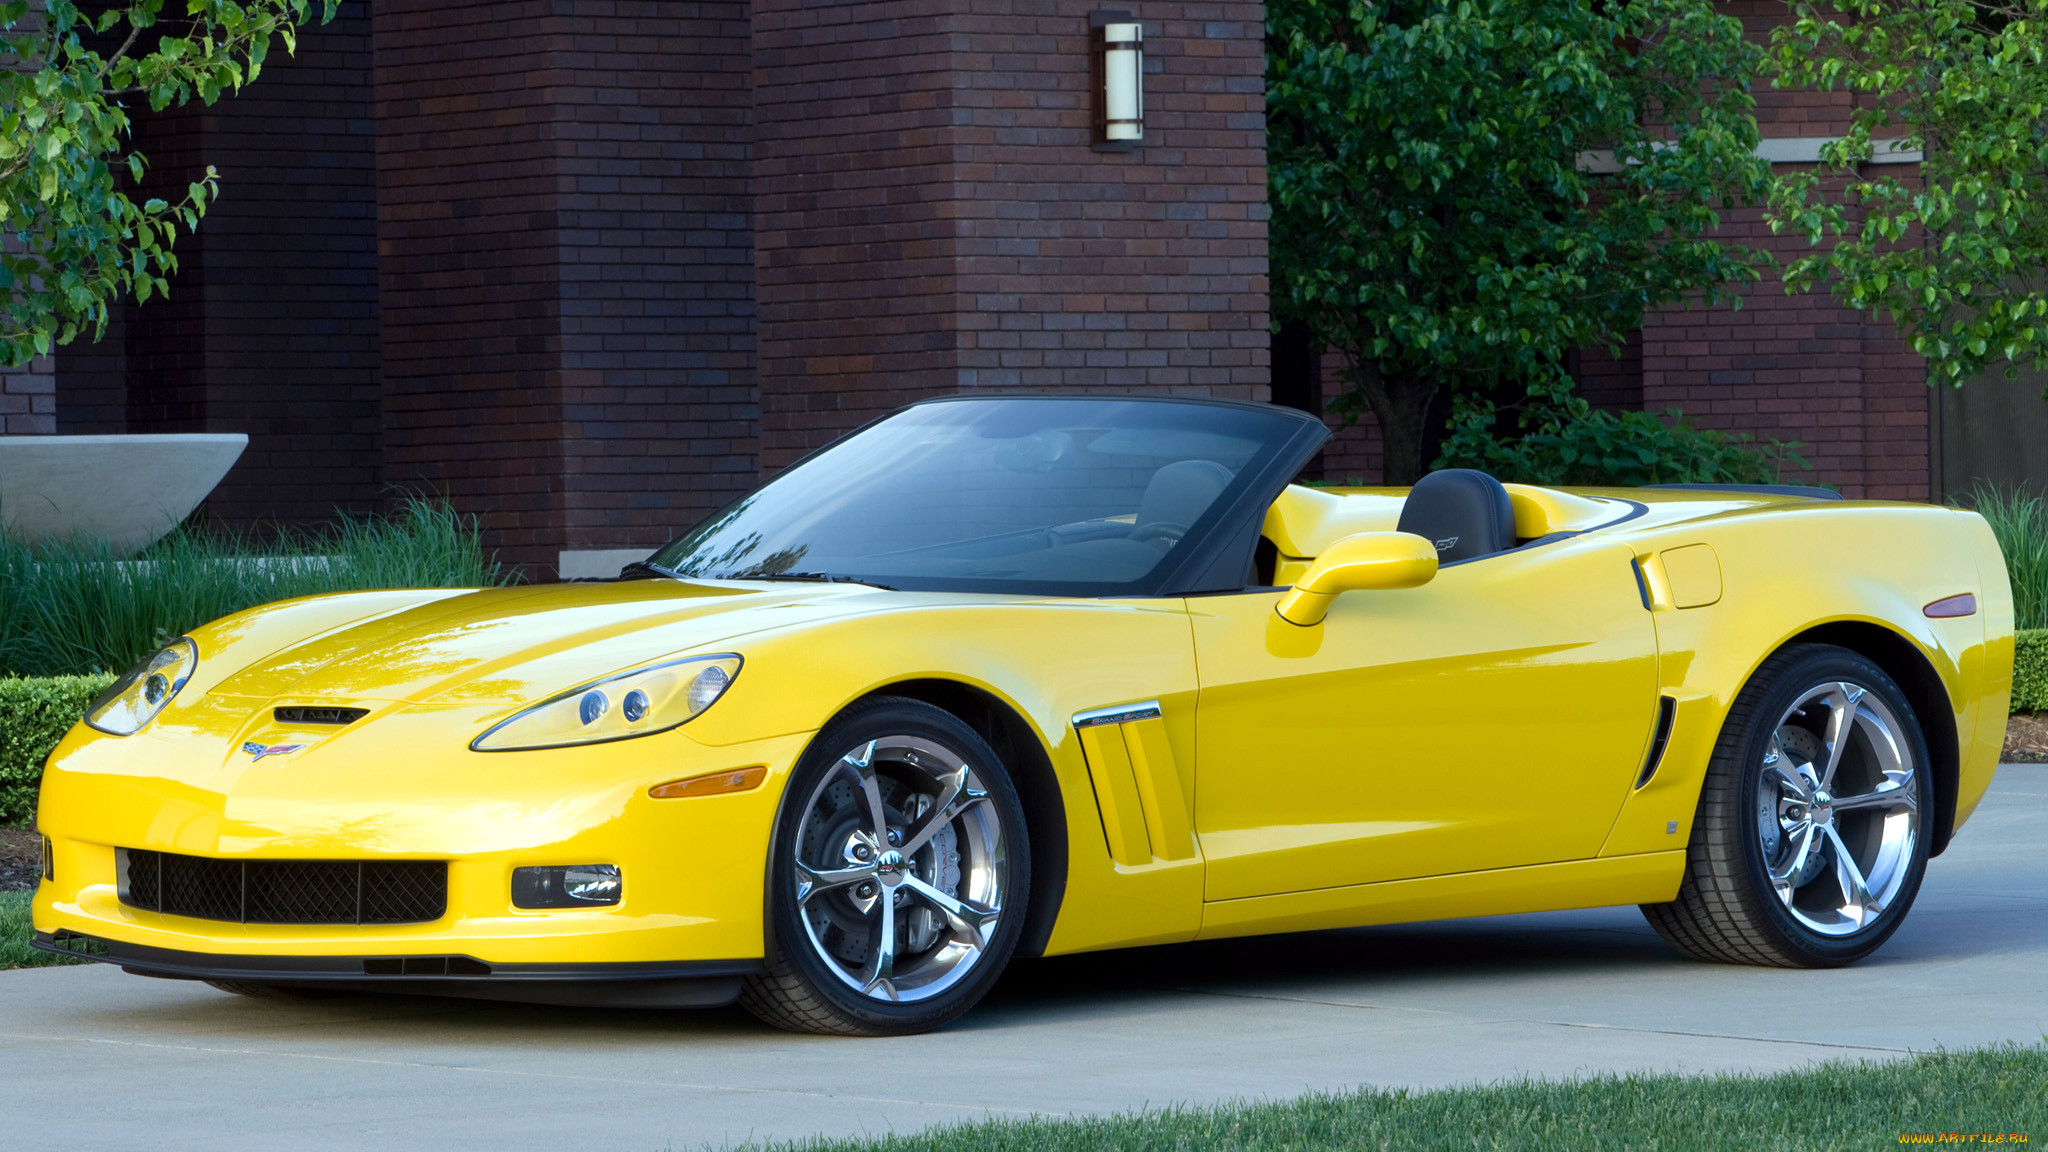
[{"x": 592, "y": 267}]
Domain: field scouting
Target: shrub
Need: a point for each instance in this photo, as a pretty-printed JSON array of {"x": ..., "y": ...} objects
[
  {"x": 2030, "y": 671},
  {"x": 1567, "y": 441},
  {"x": 34, "y": 715},
  {"x": 76, "y": 609}
]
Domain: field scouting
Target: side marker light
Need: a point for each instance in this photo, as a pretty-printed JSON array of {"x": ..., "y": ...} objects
[
  {"x": 1963, "y": 605},
  {"x": 714, "y": 784}
]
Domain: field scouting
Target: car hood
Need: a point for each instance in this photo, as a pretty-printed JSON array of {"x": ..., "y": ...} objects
[{"x": 512, "y": 645}]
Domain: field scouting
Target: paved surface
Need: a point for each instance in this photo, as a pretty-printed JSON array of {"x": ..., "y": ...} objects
[{"x": 98, "y": 1059}]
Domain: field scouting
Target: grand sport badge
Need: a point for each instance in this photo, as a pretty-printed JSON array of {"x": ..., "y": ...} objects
[{"x": 259, "y": 751}]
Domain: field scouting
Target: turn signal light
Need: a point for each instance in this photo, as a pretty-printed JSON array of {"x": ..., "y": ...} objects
[{"x": 714, "y": 784}]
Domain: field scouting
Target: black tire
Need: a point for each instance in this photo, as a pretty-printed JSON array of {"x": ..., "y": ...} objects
[
  {"x": 1728, "y": 908},
  {"x": 808, "y": 984},
  {"x": 275, "y": 991}
]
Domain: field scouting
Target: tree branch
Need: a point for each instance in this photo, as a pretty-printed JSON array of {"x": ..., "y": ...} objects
[{"x": 134, "y": 30}]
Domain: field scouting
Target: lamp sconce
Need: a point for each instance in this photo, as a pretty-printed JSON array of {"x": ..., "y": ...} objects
[{"x": 1122, "y": 71}]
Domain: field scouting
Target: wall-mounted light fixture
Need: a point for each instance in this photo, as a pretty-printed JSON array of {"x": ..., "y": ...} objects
[{"x": 1123, "y": 80}]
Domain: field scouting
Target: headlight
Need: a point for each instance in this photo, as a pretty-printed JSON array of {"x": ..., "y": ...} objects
[
  {"x": 637, "y": 703},
  {"x": 135, "y": 699}
]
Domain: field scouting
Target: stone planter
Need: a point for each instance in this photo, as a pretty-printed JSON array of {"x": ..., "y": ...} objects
[{"x": 126, "y": 490}]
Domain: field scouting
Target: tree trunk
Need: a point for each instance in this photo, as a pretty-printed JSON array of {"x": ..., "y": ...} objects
[{"x": 1401, "y": 405}]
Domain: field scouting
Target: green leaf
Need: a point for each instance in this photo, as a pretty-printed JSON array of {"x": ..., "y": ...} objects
[{"x": 1429, "y": 218}]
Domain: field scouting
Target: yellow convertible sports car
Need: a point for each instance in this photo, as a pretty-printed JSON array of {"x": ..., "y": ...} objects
[{"x": 1004, "y": 676}]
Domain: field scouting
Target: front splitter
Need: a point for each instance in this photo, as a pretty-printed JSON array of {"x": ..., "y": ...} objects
[{"x": 653, "y": 984}]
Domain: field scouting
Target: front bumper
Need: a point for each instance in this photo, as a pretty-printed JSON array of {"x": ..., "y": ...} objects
[
  {"x": 670, "y": 984},
  {"x": 694, "y": 868}
]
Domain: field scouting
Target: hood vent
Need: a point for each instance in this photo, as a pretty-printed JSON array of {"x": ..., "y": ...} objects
[{"x": 320, "y": 715}]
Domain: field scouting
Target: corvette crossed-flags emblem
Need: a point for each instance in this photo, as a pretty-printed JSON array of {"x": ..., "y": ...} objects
[{"x": 259, "y": 751}]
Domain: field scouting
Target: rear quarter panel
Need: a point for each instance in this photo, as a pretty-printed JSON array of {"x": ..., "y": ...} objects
[{"x": 1787, "y": 569}]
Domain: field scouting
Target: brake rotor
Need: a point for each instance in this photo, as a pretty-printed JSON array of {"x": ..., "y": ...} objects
[{"x": 1802, "y": 746}]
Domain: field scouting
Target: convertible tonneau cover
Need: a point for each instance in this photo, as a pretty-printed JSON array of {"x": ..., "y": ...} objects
[{"x": 1761, "y": 489}]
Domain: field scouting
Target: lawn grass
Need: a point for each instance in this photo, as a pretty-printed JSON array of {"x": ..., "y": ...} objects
[
  {"x": 14, "y": 934},
  {"x": 1852, "y": 1105}
]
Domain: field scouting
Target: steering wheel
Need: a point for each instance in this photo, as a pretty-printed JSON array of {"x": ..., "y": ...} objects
[{"x": 1164, "y": 532}]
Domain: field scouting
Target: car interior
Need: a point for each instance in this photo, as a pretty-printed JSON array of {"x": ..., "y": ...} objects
[{"x": 1468, "y": 515}]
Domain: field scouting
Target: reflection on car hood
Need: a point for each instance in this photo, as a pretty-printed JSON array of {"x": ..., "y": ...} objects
[{"x": 514, "y": 645}]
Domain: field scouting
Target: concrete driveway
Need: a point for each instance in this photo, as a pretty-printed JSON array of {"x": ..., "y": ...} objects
[{"x": 98, "y": 1059}]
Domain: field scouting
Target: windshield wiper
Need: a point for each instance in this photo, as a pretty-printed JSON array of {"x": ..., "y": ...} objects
[
  {"x": 816, "y": 578},
  {"x": 648, "y": 568}
]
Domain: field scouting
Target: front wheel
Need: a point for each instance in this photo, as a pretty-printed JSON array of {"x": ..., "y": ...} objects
[
  {"x": 898, "y": 879},
  {"x": 1813, "y": 825}
]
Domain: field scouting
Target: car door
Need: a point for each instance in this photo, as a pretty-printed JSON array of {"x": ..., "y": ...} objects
[{"x": 1496, "y": 716}]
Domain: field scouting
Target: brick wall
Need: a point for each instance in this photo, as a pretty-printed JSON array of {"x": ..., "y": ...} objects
[
  {"x": 1797, "y": 368},
  {"x": 28, "y": 398},
  {"x": 1610, "y": 378},
  {"x": 290, "y": 289},
  {"x": 164, "y": 359},
  {"x": 931, "y": 215},
  {"x": 470, "y": 304},
  {"x": 656, "y": 267},
  {"x": 855, "y": 217},
  {"x": 270, "y": 327},
  {"x": 92, "y": 380},
  {"x": 565, "y": 266},
  {"x": 28, "y": 393}
]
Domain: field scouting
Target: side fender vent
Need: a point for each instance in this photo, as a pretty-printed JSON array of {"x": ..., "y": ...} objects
[
  {"x": 1138, "y": 790},
  {"x": 1667, "y": 710}
]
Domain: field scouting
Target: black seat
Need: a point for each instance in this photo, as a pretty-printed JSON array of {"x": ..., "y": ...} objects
[{"x": 1466, "y": 514}]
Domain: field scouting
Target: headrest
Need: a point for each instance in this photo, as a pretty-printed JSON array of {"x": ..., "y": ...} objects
[
  {"x": 1466, "y": 514},
  {"x": 1179, "y": 493}
]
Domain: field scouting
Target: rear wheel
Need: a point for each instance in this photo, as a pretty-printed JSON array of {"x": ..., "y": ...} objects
[
  {"x": 1811, "y": 837},
  {"x": 899, "y": 876}
]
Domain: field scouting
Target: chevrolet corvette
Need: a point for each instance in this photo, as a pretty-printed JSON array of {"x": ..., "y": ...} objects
[{"x": 1017, "y": 676}]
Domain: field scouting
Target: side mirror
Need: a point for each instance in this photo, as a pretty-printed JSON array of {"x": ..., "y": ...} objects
[{"x": 1354, "y": 563}]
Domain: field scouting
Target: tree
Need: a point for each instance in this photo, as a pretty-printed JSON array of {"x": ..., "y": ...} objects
[
  {"x": 1465, "y": 190},
  {"x": 1954, "y": 253},
  {"x": 71, "y": 238}
]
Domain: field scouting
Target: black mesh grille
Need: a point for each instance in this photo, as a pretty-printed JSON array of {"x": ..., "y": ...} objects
[
  {"x": 301, "y": 892},
  {"x": 285, "y": 891},
  {"x": 196, "y": 886},
  {"x": 394, "y": 893}
]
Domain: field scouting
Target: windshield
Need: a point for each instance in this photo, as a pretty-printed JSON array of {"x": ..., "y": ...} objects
[{"x": 1029, "y": 494}]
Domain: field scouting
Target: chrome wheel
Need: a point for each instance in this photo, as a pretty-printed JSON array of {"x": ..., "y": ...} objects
[
  {"x": 900, "y": 868},
  {"x": 1838, "y": 808}
]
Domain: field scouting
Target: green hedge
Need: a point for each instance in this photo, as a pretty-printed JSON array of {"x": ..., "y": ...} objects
[
  {"x": 34, "y": 714},
  {"x": 2030, "y": 670}
]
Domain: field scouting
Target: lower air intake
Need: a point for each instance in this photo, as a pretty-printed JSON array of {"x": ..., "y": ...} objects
[{"x": 284, "y": 891}]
